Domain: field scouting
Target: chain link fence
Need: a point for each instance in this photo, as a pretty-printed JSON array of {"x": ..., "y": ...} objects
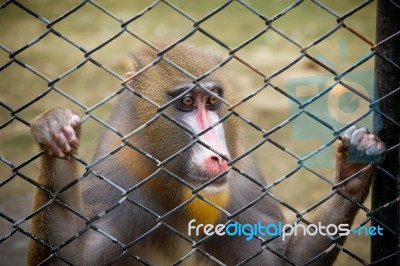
[{"x": 303, "y": 73}]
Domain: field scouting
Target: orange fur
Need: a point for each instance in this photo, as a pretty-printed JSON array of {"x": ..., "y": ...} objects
[{"x": 202, "y": 211}]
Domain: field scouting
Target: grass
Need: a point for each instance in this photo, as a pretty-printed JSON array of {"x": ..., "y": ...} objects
[{"x": 88, "y": 27}]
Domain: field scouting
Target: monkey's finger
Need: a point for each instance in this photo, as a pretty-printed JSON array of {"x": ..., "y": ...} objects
[
  {"x": 366, "y": 141},
  {"x": 373, "y": 151},
  {"x": 346, "y": 136},
  {"x": 358, "y": 135},
  {"x": 62, "y": 142},
  {"x": 53, "y": 149},
  {"x": 75, "y": 121},
  {"x": 376, "y": 149},
  {"x": 70, "y": 135}
]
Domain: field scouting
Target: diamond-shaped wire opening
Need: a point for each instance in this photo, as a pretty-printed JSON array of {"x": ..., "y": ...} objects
[
  {"x": 83, "y": 84},
  {"x": 341, "y": 9},
  {"x": 240, "y": 18},
  {"x": 258, "y": 53},
  {"x": 13, "y": 14},
  {"x": 339, "y": 106},
  {"x": 145, "y": 27},
  {"x": 119, "y": 63},
  {"x": 352, "y": 24},
  {"x": 13, "y": 133},
  {"x": 52, "y": 50},
  {"x": 123, "y": 10},
  {"x": 194, "y": 11},
  {"x": 106, "y": 25},
  {"x": 305, "y": 31},
  {"x": 17, "y": 79},
  {"x": 349, "y": 49},
  {"x": 316, "y": 188},
  {"x": 268, "y": 11},
  {"x": 266, "y": 100},
  {"x": 50, "y": 12}
]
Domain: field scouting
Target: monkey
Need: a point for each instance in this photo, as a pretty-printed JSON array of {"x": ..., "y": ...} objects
[{"x": 170, "y": 158}]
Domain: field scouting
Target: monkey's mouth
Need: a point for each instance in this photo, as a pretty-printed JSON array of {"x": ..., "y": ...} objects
[
  {"x": 212, "y": 182},
  {"x": 220, "y": 181}
]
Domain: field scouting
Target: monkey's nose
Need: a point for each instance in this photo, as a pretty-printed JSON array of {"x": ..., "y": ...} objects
[{"x": 215, "y": 165}]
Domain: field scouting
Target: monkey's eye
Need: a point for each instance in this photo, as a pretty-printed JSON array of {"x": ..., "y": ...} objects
[
  {"x": 213, "y": 102},
  {"x": 187, "y": 102}
]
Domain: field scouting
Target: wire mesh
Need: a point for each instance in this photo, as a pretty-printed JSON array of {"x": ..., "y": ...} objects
[{"x": 80, "y": 66}]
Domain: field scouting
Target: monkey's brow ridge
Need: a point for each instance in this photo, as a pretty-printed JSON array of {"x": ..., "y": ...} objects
[{"x": 181, "y": 89}]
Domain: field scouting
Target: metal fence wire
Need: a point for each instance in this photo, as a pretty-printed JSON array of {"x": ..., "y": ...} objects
[{"x": 62, "y": 54}]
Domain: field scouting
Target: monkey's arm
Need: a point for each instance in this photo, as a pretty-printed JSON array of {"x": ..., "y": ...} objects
[
  {"x": 57, "y": 132},
  {"x": 355, "y": 144}
]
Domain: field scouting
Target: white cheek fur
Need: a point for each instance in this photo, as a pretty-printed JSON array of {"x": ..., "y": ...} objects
[{"x": 214, "y": 137}]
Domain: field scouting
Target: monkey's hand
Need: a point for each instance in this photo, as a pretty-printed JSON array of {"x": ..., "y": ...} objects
[
  {"x": 57, "y": 132},
  {"x": 358, "y": 150}
]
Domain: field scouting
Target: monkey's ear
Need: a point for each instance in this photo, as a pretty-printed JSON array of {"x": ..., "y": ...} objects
[
  {"x": 129, "y": 74},
  {"x": 216, "y": 55},
  {"x": 136, "y": 64}
]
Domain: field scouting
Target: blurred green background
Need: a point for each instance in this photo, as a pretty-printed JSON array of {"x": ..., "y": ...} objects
[{"x": 88, "y": 27}]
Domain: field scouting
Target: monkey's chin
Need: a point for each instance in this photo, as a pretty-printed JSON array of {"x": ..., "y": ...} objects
[
  {"x": 215, "y": 189},
  {"x": 217, "y": 186}
]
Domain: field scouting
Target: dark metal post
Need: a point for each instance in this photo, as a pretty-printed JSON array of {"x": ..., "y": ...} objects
[{"x": 386, "y": 186}]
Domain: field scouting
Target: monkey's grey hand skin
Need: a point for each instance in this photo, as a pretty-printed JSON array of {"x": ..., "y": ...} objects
[
  {"x": 56, "y": 131},
  {"x": 362, "y": 146},
  {"x": 357, "y": 149}
]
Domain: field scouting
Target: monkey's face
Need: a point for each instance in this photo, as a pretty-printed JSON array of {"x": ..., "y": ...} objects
[
  {"x": 199, "y": 110},
  {"x": 191, "y": 134},
  {"x": 193, "y": 139}
]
